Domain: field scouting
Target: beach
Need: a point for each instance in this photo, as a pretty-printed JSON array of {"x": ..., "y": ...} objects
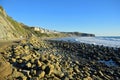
[{"x": 39, "y": 59}]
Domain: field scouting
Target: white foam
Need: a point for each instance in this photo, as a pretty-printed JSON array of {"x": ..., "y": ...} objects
[{"x": 106, "y": 41}]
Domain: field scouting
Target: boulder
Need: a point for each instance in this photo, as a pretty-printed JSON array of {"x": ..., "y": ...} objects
[{"x": 5, "y": 68}]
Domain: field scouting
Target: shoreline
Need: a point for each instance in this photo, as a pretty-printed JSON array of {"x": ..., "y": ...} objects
[
  {"x": 49, "y": 59},
  {"x": 79, "y": 47},
  {"x": 100, "y": 41}
]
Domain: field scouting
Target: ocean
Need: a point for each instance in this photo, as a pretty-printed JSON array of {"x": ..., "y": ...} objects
[{"x": 110, "y": 41}]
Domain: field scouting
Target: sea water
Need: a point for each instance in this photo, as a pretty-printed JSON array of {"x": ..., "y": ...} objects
[{"x": 111, "y": 41}]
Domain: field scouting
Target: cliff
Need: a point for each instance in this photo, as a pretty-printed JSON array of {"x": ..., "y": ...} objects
[
  {"x": 11, "y": 29},
  {"x": 78, "y": 34}
]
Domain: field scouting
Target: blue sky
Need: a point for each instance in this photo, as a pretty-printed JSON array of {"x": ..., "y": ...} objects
[{"x": 100, "y": 17}]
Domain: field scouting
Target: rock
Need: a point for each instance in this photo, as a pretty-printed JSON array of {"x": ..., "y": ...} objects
[
  {"x": 17, "y": 75},
  {"x": 76, "y": 69},
  {"x": 46, "y": 61},
  {"x": 21, "y": 78},
  {"x": 13, "y": 60},
  {"x": 24, "y": 41},
  {"x": 26, "y": 72},
  {"x": 58, "y": 74},
  {"x": 19, "y": 47},
  {"x": 27, "y": 51},
  {"x": 34, "y": 56},
  {"x": 24, "y": 78},
  {"x": 34, "y": 72},
  {"x": 39, "y": 63},
  {"x": 17, "y": 57},
  {"x": 37, "y": 54},
  {"x": 5, "y": 68},
  {"x": 32, "y": 60},
  {"x": 107, "y": 77},
  {"x": 56, "y": 78},
  {"x": 33, "y": 66},
  {"x": 70, "y": 76},
  {"x": 20, "y": 61},
  {"x": 28, "y": 64},
  {"x": 34, "y": 78},
  {"x": 17, "y": 53},
  {"x": 52, "y": 57},
  {"x": 88, "y": 74},
  {"x": 101, "y": 74},
  {"x": 66, "y": 78},
  {"x": 42, "y": 58},
  {"x": 43, "y": 67},
  {"x": 26, "y": 47},
  {"x": 70, "y": 70},
  {"x": 51, "y": 66},
  {"x": 49, "y": 69},
  {"x": 28, "y": 57},
  {"x": 57, "y": 67},
  {"x": 42, "y": 74},
  {"x": 96, "y": 78},
  {"x": 87, "y": 78},
  {"x": 77, "y": 62}
]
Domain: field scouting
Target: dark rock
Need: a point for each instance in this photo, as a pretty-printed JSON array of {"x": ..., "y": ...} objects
[{"x": 47, "y": 70}]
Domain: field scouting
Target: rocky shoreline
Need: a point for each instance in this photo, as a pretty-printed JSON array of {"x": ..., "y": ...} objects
[{"x": 37, "y": 59}]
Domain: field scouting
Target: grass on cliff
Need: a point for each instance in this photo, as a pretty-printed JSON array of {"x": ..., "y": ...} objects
[
  {"x": 1, "y": 8},
  {"x": 17, "y": 26}
]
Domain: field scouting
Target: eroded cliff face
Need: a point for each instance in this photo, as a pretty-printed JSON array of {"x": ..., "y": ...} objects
[
  {"x": 5, "y": 25},
  {"x": 9, "y": 28}
]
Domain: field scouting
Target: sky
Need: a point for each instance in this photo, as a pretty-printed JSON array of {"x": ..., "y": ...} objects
[{"x": 100, "y": 17}]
